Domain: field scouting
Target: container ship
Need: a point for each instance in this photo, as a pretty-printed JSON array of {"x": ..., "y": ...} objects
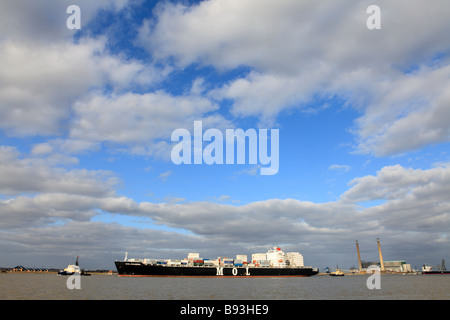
[{"x": 273, "y": 263}]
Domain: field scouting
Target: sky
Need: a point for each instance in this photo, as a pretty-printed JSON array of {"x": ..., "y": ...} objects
[{"x": 87, "y": 116}]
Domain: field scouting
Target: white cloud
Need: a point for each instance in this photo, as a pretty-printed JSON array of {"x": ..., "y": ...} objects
[
  {"x": 44, "y": 71},
  {"x": 412, "y": 114},
  {"x": 141, "y": 123},
  {"x": 338, "y": 167},
  {"x": 35, "y": 175},
  {"x": 163, "y": 176},
  {"x": 133, "y": 117},
  {"x": 40, "y": 82},
  {"x": 298, "y": 51},
  {"x": 64, "y": 146},
  {"x": 397, "y": 182},
  {"x": 418, "y": 196},
  {"x": 45, "y": 209},
  {"x": 45, "y": 21}
]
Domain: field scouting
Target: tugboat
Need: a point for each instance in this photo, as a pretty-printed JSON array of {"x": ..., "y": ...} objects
[
  {"x": 72, "y": 269},
  {"x": 337, "y": 273}
]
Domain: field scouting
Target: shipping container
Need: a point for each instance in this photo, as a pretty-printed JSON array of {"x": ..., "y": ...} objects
[
  {"x": 241, "y": 257},
  {"x": 193, "y": 256},
  {"x": 262, "y": 263},
  {"x": 238, "y": 263},
  {"x": 208, "y": 262}
]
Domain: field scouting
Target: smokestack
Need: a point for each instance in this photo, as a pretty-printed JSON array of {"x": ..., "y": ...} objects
[
  {"x": 359, "y": 256},
  {"x": 381, "y": 256}
]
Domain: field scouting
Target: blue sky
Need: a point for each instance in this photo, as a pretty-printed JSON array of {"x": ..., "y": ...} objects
[{"x": 86, "y": 118}]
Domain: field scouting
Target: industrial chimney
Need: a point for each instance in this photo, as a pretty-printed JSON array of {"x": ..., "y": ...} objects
[
  {"x": 381, "y": 256},
  {"x": 359, "y": 256}
]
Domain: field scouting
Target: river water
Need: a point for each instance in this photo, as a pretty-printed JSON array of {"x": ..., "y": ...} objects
[{"x": 34, "y": 286}]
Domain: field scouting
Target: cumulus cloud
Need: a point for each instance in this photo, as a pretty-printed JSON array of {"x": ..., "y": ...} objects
[
  {"x": 33, "y": 175},
  {"x": 131, "y": 117},
  {"x": 417, "y": 107},
  {"x": 45, "y": 21},
  {"x": 415, "y": 205},
  {"x": 29, "y": 105},
  {"x": 84, "y": 95},
  {"x": 414, "y": 200},
  {"x": 298, "y": 52},
  {"x": 45, "y": 72},
  {"x": 394, "y": 182}
]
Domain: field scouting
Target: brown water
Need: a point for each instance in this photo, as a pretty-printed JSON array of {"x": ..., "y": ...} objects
[{"x": 24, "y": 286}]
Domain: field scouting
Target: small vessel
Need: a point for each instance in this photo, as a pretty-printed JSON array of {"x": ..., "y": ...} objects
[
  {"x": 73, "y": 269},
  {"x": 337, "y": 273},
  {"x": 429, "y": 270}
]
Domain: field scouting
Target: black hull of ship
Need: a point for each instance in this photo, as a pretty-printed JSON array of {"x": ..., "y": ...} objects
[
  {"x": 447, "y": 272},
  {"x": 136, "y": 269}
]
